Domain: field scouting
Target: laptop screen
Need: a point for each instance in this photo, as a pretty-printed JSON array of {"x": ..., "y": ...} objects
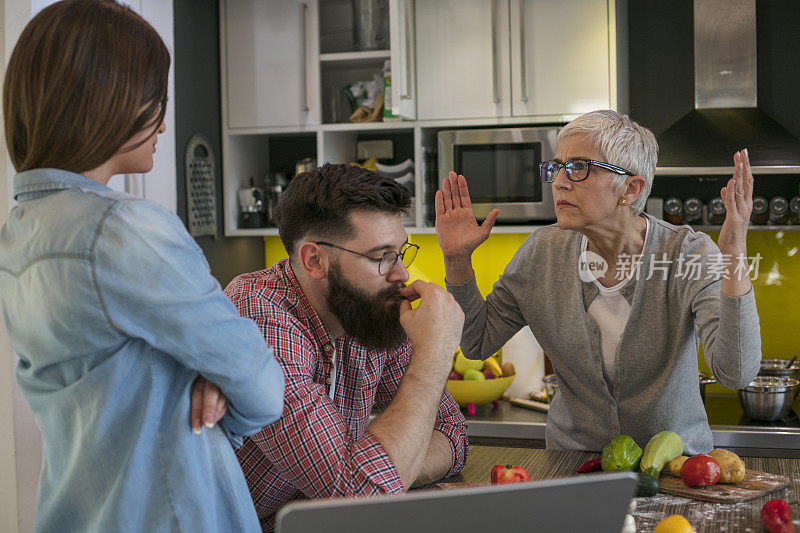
[{"x": 595, "y": 502}]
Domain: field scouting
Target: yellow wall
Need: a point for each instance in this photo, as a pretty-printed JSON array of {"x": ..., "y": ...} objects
[
  {"x": 489, "y": 260},
  {"x": 777, "y": 286}
]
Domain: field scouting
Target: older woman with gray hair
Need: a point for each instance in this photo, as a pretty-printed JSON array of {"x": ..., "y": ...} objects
[{"x": 617, "y": 298}]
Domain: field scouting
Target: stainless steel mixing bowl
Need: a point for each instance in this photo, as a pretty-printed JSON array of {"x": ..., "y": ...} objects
[
  {"x": 777, "y": 368},
  {"x": 768, "y": 398}
]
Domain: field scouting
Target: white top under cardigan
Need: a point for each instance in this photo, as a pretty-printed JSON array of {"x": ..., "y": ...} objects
[{"x": 610, "y": 311}]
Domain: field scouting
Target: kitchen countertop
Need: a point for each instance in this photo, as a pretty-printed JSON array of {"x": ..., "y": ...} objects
[
  {"x": 508, "y": 423},
  {"x": 704, "y": 517}
]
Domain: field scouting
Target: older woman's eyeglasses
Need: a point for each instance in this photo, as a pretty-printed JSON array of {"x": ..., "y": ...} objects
[
  {"x": 388, "y": 260},
  {"x": 576, "y": 169}
]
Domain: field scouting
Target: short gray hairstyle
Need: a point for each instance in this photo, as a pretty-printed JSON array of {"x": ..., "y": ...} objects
[{"x": 622, "y": 142}]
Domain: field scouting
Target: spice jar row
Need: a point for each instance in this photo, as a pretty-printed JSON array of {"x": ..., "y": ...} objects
[{"x": 776, "y": 211}]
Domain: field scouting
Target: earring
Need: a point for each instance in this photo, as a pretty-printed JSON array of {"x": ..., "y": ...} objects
[{"x": 624, "y": 201}]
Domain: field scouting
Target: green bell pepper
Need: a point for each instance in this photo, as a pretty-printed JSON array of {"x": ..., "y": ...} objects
[{"x": 622, "y": 453}]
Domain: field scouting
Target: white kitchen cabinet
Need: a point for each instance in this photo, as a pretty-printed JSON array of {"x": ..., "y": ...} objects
[
  {"x": 560, "y": 61},
  {"x": 462, "y": 59},
  {"x": 403, "y": 56},
  {"x": 270, "y": 61},
  {"x": 544, "y": 59},
  {"x": 455, "y": 64}
]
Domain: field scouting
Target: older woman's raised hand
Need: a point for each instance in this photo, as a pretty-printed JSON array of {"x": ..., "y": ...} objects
[
  {"x": 456, "y": 228},
  {"x": 738, "y": 198}
]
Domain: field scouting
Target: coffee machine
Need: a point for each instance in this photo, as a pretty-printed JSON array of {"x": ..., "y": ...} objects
[
  {"x": 252, "y": 212},
  {"x": 276, "y": 183}
]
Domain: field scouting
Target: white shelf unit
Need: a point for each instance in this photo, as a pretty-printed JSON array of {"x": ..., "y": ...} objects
[
  {"x": 252, "y": 153},
  {"x": 247, "y": 155}
]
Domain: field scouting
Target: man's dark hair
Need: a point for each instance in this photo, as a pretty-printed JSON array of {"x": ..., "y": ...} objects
[{"x": 318, "y": 203}]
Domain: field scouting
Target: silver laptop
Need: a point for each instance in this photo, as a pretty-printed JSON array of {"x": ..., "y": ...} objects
[{"x": 596, "y": 503}]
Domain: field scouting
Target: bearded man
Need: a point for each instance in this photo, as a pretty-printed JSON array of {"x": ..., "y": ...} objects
[{"x": 338, "y": 315}]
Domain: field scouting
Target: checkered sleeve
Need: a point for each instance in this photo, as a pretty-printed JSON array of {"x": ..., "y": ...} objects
[
  {"x": 310, "y": 445},
  {"x": 449, "y": 420}
]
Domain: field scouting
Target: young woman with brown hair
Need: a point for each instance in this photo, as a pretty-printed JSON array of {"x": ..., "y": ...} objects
[{"x": 108, "y": 301}]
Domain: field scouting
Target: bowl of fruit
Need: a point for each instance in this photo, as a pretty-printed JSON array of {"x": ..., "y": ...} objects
[{"x": 474, "y": 382}]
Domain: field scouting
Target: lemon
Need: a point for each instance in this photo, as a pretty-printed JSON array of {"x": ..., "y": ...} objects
[{"x": 674, "y": 524}]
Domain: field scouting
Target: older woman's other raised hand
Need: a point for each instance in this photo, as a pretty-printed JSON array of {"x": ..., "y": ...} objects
[
  {"x": 456, "y": 228},
  {"x": 738, "y": 198}
]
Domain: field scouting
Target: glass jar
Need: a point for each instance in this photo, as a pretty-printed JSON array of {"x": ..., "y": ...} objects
[
  {"x": 692, "y": 210},
  {"x": 760, "y": 213},
  {"x": 673, "y": 211},
  {"x": 716, "y": 211},
  {"x": 794, "y": 210},
  {"x": 371, "y": 24},
  {"x": 778, "y": 210}
]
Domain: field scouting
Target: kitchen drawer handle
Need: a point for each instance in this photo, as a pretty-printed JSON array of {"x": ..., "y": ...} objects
[
  {"x": 523, "y": 74},
  {"x": 410, "y": 8},
  {"x": 495, "y": 97},
  {"x": 304, "y": 30}
]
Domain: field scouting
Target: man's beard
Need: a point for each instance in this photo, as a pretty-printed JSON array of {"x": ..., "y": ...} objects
[{"x": 368, "y": 318}]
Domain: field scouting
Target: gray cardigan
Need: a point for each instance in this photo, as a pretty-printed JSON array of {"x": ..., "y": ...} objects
[{"x": 655, "y": 384}]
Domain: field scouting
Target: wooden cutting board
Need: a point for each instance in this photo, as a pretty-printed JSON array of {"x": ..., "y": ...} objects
[{"x": 754, "y": 485}]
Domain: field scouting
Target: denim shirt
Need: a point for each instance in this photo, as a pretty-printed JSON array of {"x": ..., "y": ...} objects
[{"x": 112, "y": 309}]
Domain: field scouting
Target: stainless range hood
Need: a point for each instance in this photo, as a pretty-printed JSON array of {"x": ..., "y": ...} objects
[{"x": 726, "y": 116}]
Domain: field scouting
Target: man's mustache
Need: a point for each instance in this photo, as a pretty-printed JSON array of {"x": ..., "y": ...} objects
[{"x": 390, "y": 291}]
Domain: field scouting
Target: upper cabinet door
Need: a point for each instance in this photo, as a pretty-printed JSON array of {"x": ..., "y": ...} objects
[
  {"x": 403, "y": 55},
  {"x": 559, "y": 56},
  {"x": 271, "y": 63},
  {"x": 462, "y": 59}
]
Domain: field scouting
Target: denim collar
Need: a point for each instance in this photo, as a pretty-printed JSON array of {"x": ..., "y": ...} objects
[{"x": 52, "y": 179}]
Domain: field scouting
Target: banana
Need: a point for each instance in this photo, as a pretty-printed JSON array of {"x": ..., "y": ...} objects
[
  {"x": 492, "y": 364},
  {"x": 455, "y": 356}
]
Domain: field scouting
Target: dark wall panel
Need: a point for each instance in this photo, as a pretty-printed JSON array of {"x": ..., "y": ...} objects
[
  {"x": 660, "y": 48},
  {"x": 778, "y": 42},
  {"x": 197, "y": 110}
]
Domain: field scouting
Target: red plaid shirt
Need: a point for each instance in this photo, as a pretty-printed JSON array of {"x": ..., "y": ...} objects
[{"x": 320, "y": 447}]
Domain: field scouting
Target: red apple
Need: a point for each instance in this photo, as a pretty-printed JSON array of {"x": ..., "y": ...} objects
[
  {"x": 453, "y": 375},
  {"x": 508, "y": 474},
  {"x": 700, "y": 471},
  {"x": 488, "y": 374}
]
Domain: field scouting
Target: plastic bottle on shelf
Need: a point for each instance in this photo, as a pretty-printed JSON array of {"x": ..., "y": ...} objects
[
  {"x": 778, "y": 210},
  {"x": 387, "y": 91}
]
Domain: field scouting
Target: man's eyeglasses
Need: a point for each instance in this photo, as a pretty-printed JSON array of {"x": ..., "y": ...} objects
[
  {"x": 388, "y": 260},
  {"x": 576, "y": 169}
]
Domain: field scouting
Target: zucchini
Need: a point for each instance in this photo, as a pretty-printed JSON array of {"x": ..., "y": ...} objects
[{"x": 662, "y": 448}]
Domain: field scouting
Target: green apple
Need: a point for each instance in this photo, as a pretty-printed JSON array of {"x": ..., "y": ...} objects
[{"x": 473, "y": 375}]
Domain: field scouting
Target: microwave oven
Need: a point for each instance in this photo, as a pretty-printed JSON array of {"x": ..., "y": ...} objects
[{"x": 502, "y": 169}]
